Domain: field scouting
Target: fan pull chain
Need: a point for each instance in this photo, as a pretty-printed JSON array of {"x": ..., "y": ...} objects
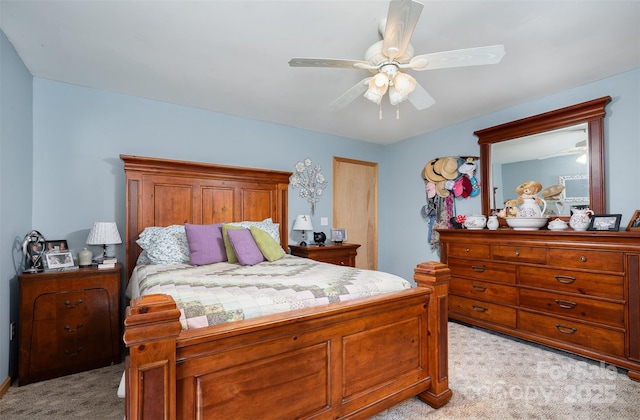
[
  {"x": 380, "y": 113},
  {"x": 397, "y": 112}
]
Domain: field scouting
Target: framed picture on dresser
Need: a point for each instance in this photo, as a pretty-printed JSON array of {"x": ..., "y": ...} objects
[
  {"x": 609, "y": 222},
  {"x": 634, "y": 223}
]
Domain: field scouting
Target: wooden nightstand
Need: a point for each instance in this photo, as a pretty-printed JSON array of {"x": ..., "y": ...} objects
[
  {"x": 69, "y": 322},
  {"x": 344, "y": 254}
]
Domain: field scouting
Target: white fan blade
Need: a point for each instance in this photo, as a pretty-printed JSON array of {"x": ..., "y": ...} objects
[
  {"x": 402, "y": 19},
  {"x": 457, "y": 58},
  {"x": 328, "y": 62},
  {"x": 420, "y": 98},
  {"x": 357, "y": 90}
]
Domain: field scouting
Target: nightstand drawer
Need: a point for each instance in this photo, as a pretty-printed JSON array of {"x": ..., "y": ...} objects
[
  {"x": 52, "y": 305},
  {"x": 344, "y": 254}
]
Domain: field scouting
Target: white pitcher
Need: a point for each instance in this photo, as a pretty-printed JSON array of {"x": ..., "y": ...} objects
[
  {"x": 529, "y": 208},
  {"x": 580, "y": 219}
]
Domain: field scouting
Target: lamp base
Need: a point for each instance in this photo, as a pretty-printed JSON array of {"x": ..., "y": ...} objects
[{"x": 303, "y": 243}]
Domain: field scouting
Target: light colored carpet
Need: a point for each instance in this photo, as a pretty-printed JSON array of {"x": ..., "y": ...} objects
[{"x": 492, "y": 377}]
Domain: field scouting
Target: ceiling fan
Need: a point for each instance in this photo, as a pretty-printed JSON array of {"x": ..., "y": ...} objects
[{"x": 386, "y": 58}]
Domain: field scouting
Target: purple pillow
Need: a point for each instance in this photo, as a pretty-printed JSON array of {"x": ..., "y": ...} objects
[
  {"x": 245, "y": 247},
  {"x": 205, "y": 244}
]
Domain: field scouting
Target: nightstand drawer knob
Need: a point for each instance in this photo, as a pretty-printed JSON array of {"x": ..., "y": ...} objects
[
  {"x": 68, "y": 304},
  {"x": 68, "y": 352},
  {"x": 69, "y": 329}
]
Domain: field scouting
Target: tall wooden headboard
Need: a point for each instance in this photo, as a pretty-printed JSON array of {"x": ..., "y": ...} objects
[{"x": 163, "y": 192}]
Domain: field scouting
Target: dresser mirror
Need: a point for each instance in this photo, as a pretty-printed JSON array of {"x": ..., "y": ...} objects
[{"x": 549, "y": 148}]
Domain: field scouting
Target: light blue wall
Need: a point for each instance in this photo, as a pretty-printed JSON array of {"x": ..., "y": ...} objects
[
  {"x": 16, "y": 151},
  {"x": 405, "y": 241},
  {"x": 79, "y": 134}
]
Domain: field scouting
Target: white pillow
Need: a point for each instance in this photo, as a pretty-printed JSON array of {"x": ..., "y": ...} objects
[{"x": 165, "y": 245}]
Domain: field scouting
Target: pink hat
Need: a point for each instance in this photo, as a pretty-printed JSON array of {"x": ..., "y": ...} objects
[{"x": 431, "y": 189}]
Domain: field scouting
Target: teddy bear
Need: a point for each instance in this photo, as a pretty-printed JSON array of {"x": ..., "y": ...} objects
[
  {"x": 529, "y": 189},
  {"x": 510, "y": 209}
]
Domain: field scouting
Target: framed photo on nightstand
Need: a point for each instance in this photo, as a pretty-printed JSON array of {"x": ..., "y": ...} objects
[
  {"x": 59, "y": 259},
  {"x": 338, "y": 235},
  {"x": 57, "y": 246}
]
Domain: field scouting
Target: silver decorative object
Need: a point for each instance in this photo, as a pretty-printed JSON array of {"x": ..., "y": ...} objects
[{"x": 310, "y": 180}]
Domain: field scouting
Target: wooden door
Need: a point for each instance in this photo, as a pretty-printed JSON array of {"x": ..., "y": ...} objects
[{"x": 355, "y": 206}]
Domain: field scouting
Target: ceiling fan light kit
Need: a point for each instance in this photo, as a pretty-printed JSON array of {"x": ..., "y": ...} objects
[{"x": 387, "y": 57}]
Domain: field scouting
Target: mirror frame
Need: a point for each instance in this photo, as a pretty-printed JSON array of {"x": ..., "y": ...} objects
[{"x": 592, "y": 112}]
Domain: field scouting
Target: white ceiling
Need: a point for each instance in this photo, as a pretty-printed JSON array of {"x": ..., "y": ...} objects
[{"x": 231, "y": 56}]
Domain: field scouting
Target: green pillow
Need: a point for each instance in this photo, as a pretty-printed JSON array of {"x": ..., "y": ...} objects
[
  {"x": 231, "y": 254},
  {"x": 271, "y": 250}
]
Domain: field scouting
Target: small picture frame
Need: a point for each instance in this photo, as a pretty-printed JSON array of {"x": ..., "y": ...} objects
[
  {"x": 634, "y": 223},
  {"x": 338, "y": 235},
  {"x": 56, "y": 246},
  {"x": 608, "y": 222},
  {"x": 59, "y": 259}
]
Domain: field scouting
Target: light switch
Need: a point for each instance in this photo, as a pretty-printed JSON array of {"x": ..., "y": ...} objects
[{"x": 324, "y": 221}]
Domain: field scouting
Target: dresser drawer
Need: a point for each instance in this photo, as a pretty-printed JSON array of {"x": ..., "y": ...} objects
[
  {"x": 519, "y": 254},
  {"x": 587, "y": 259},
  {"x": 484, "y": 290},
  {"x": 602, "y": 285},
  {"x": 468, "y": 250},
  {"x": 600, "y": 339},
  {"x": 484, "y": 311},
  {"x": 576, "y": 307},
  {"x": 482, "y": 270}
]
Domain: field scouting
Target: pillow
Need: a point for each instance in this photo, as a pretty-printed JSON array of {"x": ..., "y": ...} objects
[
  {"x": 245, "y": 247},
  {"x": 205, "y": 244},
  {"x": 231, "y": 255},
  {"x": 143, "y": 258},
  {"x": 267, "y": 225},
  {"x": 271, "y": 249},
  {"x": 165, "y": 245}
]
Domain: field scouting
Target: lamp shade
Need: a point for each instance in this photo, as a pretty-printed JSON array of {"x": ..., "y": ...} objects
[
  {"x": 104, "y": 233},
  {"x": 303, "y": 222}
]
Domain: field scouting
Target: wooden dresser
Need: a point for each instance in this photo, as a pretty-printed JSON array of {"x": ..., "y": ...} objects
[
  {"x": 69, "y": 322},
  {"x": 575, "y": 291},
  {"x": 344, "y": 254}
]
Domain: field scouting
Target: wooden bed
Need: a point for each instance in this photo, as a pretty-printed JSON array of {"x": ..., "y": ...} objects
[{"x": 343, "y": 360}]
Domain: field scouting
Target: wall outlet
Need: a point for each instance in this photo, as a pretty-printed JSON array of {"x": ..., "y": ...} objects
[
  {"x": 324, "y": 221},
  {"x": 12, "y": 329}
]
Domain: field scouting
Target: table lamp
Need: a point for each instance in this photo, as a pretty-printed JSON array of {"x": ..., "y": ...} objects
[
  {"x": 104, "y": 233},
  {"x": 303, "y": 223}
]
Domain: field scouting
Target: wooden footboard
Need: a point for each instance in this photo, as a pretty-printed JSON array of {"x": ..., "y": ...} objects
[{"x": 349, "y": 360}]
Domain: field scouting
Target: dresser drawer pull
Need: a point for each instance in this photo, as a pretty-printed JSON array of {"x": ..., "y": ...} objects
[
  {"x": 69, "y": 329},
  {"x": 478, "y": 268},
  {"x": 68, "y": 352},
  {"x": 478, "y": 288},
  {"x": 68, "y": 304},
  {"x": 583, "y": 258},
  {"x": 478, "y": 308},
  {"x": 565, "y": 279},
  {"x": 566, "y": 330},
  {"x": 566, "y": 304},
  {"x": 467, "y": 250}
]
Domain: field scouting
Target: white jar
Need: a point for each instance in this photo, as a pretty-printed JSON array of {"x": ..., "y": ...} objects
[
  {"x": 493, "y": 223},
  {"x": 84, "y": 257}
]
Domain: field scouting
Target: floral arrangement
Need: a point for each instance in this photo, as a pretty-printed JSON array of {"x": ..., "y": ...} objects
[{"x": 310, "y": 180}]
